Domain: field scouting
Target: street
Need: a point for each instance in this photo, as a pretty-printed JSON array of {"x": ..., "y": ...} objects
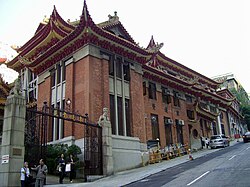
[{"x": 227, "y": 167}]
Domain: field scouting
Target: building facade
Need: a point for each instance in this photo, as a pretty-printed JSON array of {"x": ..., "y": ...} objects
[{"x": 150, "y": 96}]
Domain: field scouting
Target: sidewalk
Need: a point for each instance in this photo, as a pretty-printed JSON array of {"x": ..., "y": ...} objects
[{"x": 129, "y": 176}]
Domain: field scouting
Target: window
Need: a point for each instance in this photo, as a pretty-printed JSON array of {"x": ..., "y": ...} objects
[
  {"x": 189, "y": 98},
  {"x": 168, "y": 131},
  {"x": 126, "y": 71},
  {"x": 195, "y": 133},
  {"x": 214, "y": 128},
  {"x": 166, "y": 97},
  {"x": 144, "y": 88},
  {"x": 53, "y": 78},
  {"x": 118, "y": 66},
  {"x": 111, "y": 67},
  {"x": 1, "y": 130},
  {"x": 152, "y": 90},
  {"x": 120, "y": 116},
  {"x": 119, "y": 72},
  {"x": 155, "y": 127},
  {"x": 204, "y": 106},
  {"x": 112, "y": 113},
  {"x": 213, "y": 109},
  {"x": 222, "y": 128},
  {"x": 58, "y": 77},
  {"x": 127, "y": 110},
  {"x": 31, "y": 86},
  {"x": 179, "y": 132},
  {"x": 190, "y": 114},
  {"x": 176, "y": 100},
  {"x": 221, "y": 115}
]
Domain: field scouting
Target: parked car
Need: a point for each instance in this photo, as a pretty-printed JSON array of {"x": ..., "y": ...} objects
[
  {"x": 219, "y": 141},
  {"x": 246, "y": 137}
]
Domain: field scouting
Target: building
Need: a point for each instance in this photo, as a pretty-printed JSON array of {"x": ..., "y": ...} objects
[
  {"x": 150, "y": 96},
  {"x": 229, "y": 81},
  {"x": 231, "y": 116},
  {"x": 4, "y": 92}
]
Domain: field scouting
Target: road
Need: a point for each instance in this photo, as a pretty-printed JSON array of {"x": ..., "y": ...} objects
[{"x": 226, "y": 167}]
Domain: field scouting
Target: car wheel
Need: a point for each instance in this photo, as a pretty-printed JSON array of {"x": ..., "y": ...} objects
[{"x": 245, "y": 141}]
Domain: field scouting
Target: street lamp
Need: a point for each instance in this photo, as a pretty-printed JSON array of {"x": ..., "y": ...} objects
[{"x": 68, "y": 103}]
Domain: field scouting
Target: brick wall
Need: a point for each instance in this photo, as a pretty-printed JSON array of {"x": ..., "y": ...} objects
[
  {"x": 157, "y": 107},
  {"x": 137, "y": 106}
]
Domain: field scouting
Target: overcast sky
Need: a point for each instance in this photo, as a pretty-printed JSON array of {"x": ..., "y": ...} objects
[{"x": 211, "y": 37}]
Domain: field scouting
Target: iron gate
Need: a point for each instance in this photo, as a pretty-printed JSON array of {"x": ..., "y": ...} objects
[{"x": 36, "y": 136}]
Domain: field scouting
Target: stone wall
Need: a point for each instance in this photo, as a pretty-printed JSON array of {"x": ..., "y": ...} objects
[{"x": 126, "y": 152}]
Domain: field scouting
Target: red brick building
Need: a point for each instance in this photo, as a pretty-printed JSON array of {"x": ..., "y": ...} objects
[{"x": 149, "y": 95}]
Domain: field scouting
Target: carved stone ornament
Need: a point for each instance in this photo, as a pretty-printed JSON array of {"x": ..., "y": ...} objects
[
  {"x": 104, "y": 117},
  {"x": 16, "y": 90}
]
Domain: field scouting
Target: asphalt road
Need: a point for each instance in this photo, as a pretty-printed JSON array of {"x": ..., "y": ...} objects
[{"x": 227, "y": 167}]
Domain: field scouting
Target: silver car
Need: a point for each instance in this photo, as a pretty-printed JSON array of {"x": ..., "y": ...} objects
[{"x": 218, "y": 141}]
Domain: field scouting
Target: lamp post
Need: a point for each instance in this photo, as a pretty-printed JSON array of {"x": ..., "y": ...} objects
[{"x": 68, "y": 103}]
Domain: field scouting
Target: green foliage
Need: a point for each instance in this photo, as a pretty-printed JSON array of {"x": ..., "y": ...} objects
[
  {"x": 242, "y": 97},
  {"x": 74, "y": 150},
  {"x": 246, "y": 114},
  {"x": 54, "y": 152}
]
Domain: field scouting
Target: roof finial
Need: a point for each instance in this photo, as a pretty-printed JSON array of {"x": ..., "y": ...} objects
[
  {"x": 154, "y": 47},
  {"x": 114, "y": 18}
]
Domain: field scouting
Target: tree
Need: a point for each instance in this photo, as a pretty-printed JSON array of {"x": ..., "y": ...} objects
[
  {"x": 246, "y": 114},
  {"x": 242, "y": 97},
  {"x": 55, "y": 150}
]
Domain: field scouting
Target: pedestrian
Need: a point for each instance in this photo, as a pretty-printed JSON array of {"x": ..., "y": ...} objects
[
  {"x": 42, "y": 171},
  {"x": 62, "y": 165},
  {"x": 207, "y": 142},
  {"x": 25, "y": 173},
  {"x": 71, "y": 161}
]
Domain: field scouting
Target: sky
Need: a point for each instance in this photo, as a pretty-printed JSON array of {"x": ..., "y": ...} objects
[{"x": 211, "y": 37}]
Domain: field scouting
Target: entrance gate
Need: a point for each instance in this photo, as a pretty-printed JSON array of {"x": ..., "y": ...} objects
[{"x": 36, "y": 136}]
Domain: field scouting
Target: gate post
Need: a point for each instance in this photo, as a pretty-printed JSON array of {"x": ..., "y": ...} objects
[
  {"x": 12, "y": 148},
  {"x": 108, "y": 166}
]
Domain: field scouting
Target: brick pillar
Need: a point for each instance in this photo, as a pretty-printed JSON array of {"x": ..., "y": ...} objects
[
  {"x": 13, "y": 140},
  {"x": 107, "y": 155}
]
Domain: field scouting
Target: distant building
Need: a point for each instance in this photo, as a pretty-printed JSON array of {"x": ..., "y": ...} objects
[
  {"x": 230, "y": 82},
  {"x": 150, "y": 96},
  {"x": 231, "y": 115}
]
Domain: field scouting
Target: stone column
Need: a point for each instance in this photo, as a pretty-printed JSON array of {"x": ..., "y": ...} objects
[
  {"x": 12, "y": 148},
  {"x": 107, "y": 155}
]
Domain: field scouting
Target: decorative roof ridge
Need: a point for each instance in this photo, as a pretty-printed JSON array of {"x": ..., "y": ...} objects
[
  {"x": 114, "y": 21},
  {"x": 33, "y": 41},
  {"x": 158, "y": 72},
  {"x": 231, "y": 94},
  {"x": 55, "y": 15},
  {"x": 58, "y": 29},
  {"x": 50, "y": 27},
  {"x": 189, "y": 69},
  {"x": 151, "y": 43},
  {"x": 85, "y": 21},
  {"x": 122, "y": 39}
]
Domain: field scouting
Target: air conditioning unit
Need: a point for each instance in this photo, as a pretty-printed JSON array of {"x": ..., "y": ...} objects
[
  {"x": 166, "y": 92},
  {"x": 181, "y": 122},
  {"x": 178, "y": 95},
  {"x": 168, "y": 121}
]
